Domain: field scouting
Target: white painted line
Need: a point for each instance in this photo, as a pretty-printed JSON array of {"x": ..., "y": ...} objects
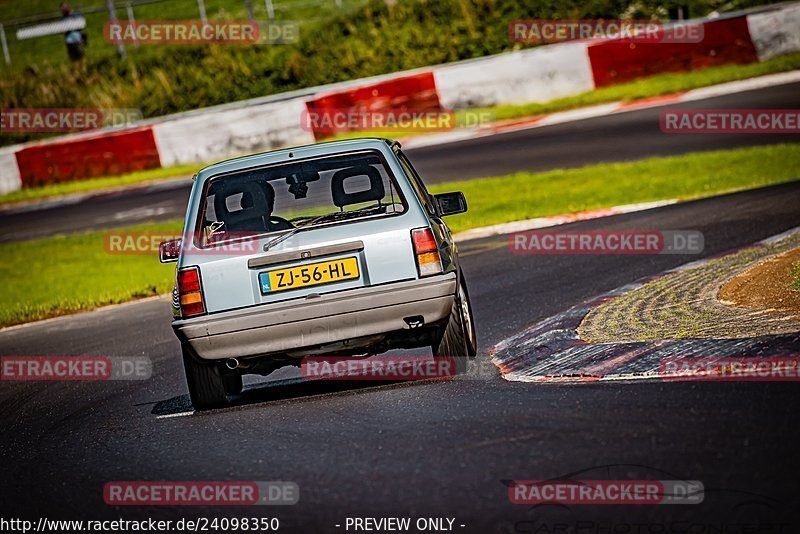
[
  {"x": 165, "y": 184},
  {"x": 574, "y": 115},
  {"x": 562, "y": 117},
  {"x": 34, "y": 205},
  {"x": 556, "y": 220},
  {"x": 110, "y": 307},
  {"x": 740, "y": 86},
  {"x": 171, "y": 415},
  {"x": 435, "y": 139},
  {"x": 779, "y": 237}
]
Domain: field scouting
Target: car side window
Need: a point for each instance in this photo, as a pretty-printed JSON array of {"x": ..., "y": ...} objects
[{"x": 416, "y": 183}]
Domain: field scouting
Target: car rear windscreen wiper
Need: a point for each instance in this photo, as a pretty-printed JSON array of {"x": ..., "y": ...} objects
[{"x": 312, "y": 220}]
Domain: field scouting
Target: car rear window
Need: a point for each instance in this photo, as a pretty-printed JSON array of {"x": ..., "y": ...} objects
[{"x": 297, "y": 195}]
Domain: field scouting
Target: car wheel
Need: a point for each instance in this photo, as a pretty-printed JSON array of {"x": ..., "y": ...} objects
[
  {"x": 467, "y": 319},
  {"x": 458, "y": 339},
  {"x": 232, "y": 383},
  {"x": 206, "y": 384}
]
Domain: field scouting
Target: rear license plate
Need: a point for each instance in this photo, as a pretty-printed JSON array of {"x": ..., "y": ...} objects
[{"x": 313, "y": 274}]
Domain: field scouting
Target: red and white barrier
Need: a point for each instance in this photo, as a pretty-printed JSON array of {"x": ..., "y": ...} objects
[
  {"x": 602, "y": 110},
  {"x": 9, "y": 170},
  {"x": 533, "y": 75},
  {"x": 414, "y": 91},
  {"x": 619, "y": 60},
  {"x": 101, "y": 154},
  {"x": 200, "y": 138},
  {"x": 775, "y": 33}
]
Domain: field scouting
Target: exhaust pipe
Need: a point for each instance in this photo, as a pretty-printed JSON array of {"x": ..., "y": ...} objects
[{"x": 234, "y": 363}]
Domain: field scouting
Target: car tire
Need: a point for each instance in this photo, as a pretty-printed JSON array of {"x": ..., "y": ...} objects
[
  {"x": 206, "y": 384},
  {"x": 458, "y": 339},
  {"x": 233, "y": 383}
]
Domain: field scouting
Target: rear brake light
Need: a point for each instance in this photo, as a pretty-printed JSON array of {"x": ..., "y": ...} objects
[
  {"x": 190, "y": 292},
  {"x": 426, "y": 252},
  {"x": 423, "y": 240}
]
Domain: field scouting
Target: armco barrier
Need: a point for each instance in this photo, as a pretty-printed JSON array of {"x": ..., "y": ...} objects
[
  {"x": 533, "y": 75},
  {"x": 102, "y": 154},
  {"x": 620, "y": 60},
  {"x": 207, "y": 137},
  {"x": 416, "y": 91},
  {"x": 9, "y": 170},
  {"x": 775, "y": 33}
]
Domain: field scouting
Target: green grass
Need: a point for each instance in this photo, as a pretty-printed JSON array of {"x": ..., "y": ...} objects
[
  {"x": 661, "y": 84},
  {"x": 58, "y": 275},
  {"x": 65, "y": 274},
  {"x": 644, "y": 88},
  {"x": 527, "y": 195},
  {"x": 50, "y": 50},
  {"x": 365, "y": 38},
  {"x": 97, "y": 184},
  {"x": 796, "y": 277}
]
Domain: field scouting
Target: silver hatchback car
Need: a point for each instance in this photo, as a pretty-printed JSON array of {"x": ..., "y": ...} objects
[{"x": 328, "y": 249}]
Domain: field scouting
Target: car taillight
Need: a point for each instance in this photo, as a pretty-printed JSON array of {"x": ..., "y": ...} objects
[
  {"x": 426, "y": 251},
  {"x": 190, "y": 292}
]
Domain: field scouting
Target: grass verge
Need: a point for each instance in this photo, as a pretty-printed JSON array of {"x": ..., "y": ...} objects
[
  {"x": 796, "y": 277},
  {"x": 662, "y": 84},
  {"x": 644, "y": 88},
  {"x": 527, "y": 195},
  {"x": 65, "y": 274},
  {"x": 77, "y": 274},
  {"x": 97, "y": 184}
]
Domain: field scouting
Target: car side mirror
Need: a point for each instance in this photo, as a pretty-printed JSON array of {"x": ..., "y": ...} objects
[
  {"x": 451, "y": 203},
  {"x": 168, "y": 251}
]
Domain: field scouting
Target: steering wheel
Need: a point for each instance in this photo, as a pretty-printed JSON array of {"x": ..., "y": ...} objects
[{"x": 279, "y": 223}]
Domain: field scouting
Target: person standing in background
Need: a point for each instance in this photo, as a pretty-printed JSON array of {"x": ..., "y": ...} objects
[{"x": 75, "y": 39}]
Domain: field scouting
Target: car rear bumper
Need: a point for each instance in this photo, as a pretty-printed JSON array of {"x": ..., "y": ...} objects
[{"x": 317, "y": 320}]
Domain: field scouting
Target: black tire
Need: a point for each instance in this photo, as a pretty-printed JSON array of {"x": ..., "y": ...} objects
[
  {"x": 206, "y": 384},
  {"x": 458, "y": 339},
  {"x": 233, "y": 383}
]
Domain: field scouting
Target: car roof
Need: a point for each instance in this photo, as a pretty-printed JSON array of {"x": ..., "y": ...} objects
[{"x": 290, "y": 153}]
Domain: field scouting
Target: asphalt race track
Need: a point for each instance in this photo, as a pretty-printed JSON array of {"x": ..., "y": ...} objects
[
  {"x": 619, "y": 137},
  {"x": 439, "y": 449}
]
